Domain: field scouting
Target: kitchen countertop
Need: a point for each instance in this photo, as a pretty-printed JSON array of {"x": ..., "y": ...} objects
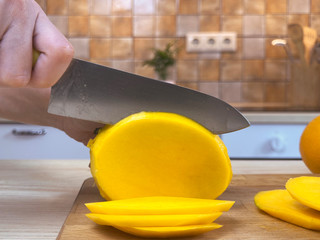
[{"x": 37, "y": 195}]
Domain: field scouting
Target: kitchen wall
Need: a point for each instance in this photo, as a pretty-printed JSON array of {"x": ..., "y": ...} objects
[{"x": 121, "y": 34}]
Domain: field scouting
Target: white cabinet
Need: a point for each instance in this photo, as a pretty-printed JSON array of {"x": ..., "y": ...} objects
[
  {"x": 19, "y": 141},
  {"x": 265, "y": 141}
]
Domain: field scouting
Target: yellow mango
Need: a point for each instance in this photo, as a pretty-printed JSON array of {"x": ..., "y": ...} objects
[
  {"x": 306, "y": 190},
  {"x": 160, "y": 205},
  {"x": 159, "y": 154},
  {"x": 166, "y": 232},
  {"x": 153, "y": 220},
  {"x": 279, "y": 203}
]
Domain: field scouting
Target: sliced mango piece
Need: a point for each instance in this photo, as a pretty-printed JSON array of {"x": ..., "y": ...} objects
[
  {"x": 306, "y": 190},
  {"x": 160, "y": 205},
  {"x": 159, "y": 154},
  {"x": 280, "y": 204},
  {"x": 153, "y": 220},
  {"x": 166, "y": 232}
]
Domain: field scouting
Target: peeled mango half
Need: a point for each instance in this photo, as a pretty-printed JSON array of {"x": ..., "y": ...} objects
[{"x": 159, "y": 154}]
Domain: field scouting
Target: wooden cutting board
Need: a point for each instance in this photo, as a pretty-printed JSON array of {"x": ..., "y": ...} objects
[{"x": 243, "y": 221}]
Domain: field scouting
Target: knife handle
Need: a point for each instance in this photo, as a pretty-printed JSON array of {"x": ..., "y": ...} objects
[{"x": 35, "y": 56}]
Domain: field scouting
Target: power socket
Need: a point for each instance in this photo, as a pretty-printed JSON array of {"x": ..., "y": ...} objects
[{"x": 211, "y": 42}]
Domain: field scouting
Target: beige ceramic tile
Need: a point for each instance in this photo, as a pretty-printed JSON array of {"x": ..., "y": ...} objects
[
  {"x": 127, "y": 66},
  {"x": 254, "y": 6},
  {"x": 275, "y": 92},
  {"x": 252, "y": 92},
  {"x": 231, "y": 70},
  {"x": 61, "y": 23},
  {"x": 315, "y": 22},
  {"x": 143, "y": 48},
  {"x": 253, "y": 70},
  {"x": 231, "y": 92},
  {"x": 232, "y": 7},
  {"x": 122, "y": 48},
  {"x": 144, "y": 26},
  {"x": 190, "y": 85},
  {"x": 298, "y": 6},
  {"x": 189, "y": 7},
  {"x": 167, "y": 7},
  {"x": 100, "y": 26},
  {"x": 209, "y": 70},
  {"x": 57, "y": 7},
  {"x": 302, "y": 19},
  {"x": 275, "y": 52},
  {"x": 210, "y": 7},
  {"x": 81, "y": 47},
  {"x": 78, "y": 26},
  {"x": 210, "y": 88},
  {"x": 315, "y": 6},
  {"x": 276, "y": 25},
  {"x": 121, "y": 26},
  {"x": 187, "y": 24},
  {"x": 101, "y": 7},
  {"x": 143, "y": 70},
  {"x": 234, "y": 55},
  {"x": 144, "y": 7},
  {"x": 253, "y": 48},
  {"x": 100, "y": 48},
  {"x": 78, "y": 7},
  {"x": 162, "y": 42},
  {"x": 183, "y": 54},
  {"x": 275, "y": 70},
  {"x": 232, "y": 24},
  {"x": 165, "y": 26},
  {"x": 187, "y": 70},
  {"x": 253, "y": 25},
  {"x": 276, "y": 6},
  {"x": 209, "y": 23},
  {"x": 121, "y": 7}
]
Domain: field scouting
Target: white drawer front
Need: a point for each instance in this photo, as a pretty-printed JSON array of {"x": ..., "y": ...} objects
[
  {"x": 265, "y": 141},
  {"x": 19, "y": 141}
]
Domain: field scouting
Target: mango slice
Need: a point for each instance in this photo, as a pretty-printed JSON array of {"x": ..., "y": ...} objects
[
  {"x": 166, "y": 232},
  {"x": 279, "y": 203},
  {"x": 159, "y": 154},
  {"x": 306, "y": 190},
  {"x": 160, "y": 205},
  {"x": 153, "y": 220}
]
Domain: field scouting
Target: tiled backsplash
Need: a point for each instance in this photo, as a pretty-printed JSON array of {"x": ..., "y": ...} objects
[{"x": 121, "y": 34}]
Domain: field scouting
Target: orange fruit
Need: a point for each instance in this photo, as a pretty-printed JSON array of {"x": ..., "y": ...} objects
[{"x": 310, "y": 145}]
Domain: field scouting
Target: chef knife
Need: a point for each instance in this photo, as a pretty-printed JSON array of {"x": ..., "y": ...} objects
[{"x": 101, "y": 94}]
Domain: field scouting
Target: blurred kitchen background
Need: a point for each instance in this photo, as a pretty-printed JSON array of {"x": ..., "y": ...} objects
[{"x": 122, "y": 33}]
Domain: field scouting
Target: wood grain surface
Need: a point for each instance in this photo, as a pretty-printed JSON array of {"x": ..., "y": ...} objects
[{"x": 243, "y": 221}]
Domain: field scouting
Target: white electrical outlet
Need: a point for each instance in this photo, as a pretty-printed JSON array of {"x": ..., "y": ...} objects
[{"x": 211, "y": 42}]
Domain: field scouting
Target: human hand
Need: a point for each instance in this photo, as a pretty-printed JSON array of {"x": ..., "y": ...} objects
[
  {"x": 24, "y": 26},
  {"x": 80, "y": 130}
]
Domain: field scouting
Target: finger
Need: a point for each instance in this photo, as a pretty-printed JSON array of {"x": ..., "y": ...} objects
[
  {"x": 16, "y": 48},
  {"x": 56, "y": 53}
]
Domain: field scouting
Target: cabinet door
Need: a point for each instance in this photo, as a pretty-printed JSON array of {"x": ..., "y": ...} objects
[
  {"x": 265, "y": 141},
  {"x": 19, "y": 141}
]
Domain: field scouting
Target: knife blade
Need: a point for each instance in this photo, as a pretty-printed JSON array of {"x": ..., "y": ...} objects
[{"x": 101, "y": 94}]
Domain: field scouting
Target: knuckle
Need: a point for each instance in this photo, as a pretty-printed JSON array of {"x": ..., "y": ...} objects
[
  {"x": 64, "y": 53},
  {"x": 17, "y": 80}
]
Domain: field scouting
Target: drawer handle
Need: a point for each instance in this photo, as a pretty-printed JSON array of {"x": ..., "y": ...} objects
[{"x": 29, "y": 132}]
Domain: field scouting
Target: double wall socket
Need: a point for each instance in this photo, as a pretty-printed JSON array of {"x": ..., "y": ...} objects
[{"x": 211, "y": 42}]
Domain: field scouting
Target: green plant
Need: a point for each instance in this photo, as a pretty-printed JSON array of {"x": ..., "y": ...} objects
[{"x": 162, "y": 60}]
